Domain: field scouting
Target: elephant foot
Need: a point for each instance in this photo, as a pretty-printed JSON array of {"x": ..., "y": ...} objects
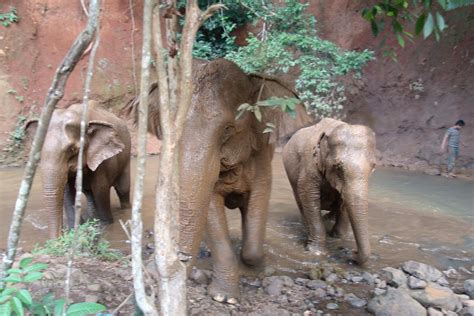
[
  {"x": 125, "y": 205},
  {"x": 316, "y": 248},
  {"x": 335, "y": 233},
  {"x": 253, "y": 259},
  {"x": 223, "y": 293}
]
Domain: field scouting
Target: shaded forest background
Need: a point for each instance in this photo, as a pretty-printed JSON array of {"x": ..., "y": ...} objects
[{"x": 408, "y": 103}]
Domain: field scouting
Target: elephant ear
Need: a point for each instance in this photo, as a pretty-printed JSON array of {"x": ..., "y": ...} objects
[
  {"x": 30, "y": 128},
  {"x": 104, "y": 143},
  {"x": 284, "y": 123},
  {"x": 321, "y": 152}
]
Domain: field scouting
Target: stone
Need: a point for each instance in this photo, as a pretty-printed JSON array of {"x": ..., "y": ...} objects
[
  {"x": 269, "y": 271},
  {"x": 332, "y": 306},
  {"x": 369, "y": 278},
  {"x": 91, "y": 298},
  {"x": 467, "y": 311},
  {"x": 94, "y": 287},
  {"x": 464, "y": 270},
  {"x": 321, "y": 293},
  {"x": 316, "y": 284},
  {"x": 357, "y": 279},
  {"x": 438, "y": 296},
  {"x": 354, "y": 300},
  {"x": 434, "y": 312},
  {"x": 379, "y": 291},
  {"x": 198, "y": 276},
  {"x": 331, "y": 291},
  {"x": 442, "y": 281},
  {"x": 394, "y": 277},
  {"x": 451, "y": 273},
  {"x": 415, "y": 283},
  {"x": 469, "y": 288},
  {"x": 382, "y": 284},
  {"x": 274, "y": 285},
  {"x": 331, "y": 278},
  {"x": 467, "y": 303},
  {"x": 339, "y": 292},
  {"x": 395, "y": 302},
  {"x": 302, "y": 281},
  {"x": 422, "y": 271},
  {"x": 464, "y": 297}
]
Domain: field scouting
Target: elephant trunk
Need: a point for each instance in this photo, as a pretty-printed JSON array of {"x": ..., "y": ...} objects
[
  {"x": 356, "y": 204},
  {"x": 197, "y": 180},
  {"x": 54, "y": 183}
]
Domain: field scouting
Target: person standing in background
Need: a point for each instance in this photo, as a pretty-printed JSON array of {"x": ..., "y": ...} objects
[{"x": 450, "y": 143}]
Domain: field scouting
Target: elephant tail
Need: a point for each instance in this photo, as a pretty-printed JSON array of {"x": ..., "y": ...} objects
[{"x": 130, "y": 110}]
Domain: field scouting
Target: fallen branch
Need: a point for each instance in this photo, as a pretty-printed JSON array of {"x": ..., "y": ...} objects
[{"x": 55, "y": 93}]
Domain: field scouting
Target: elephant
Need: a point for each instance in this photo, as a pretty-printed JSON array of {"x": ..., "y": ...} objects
[
  {"x": 328, "y": 166},
  {"x": 106, "y": 164},
  {"x": 225, "y": 161}
]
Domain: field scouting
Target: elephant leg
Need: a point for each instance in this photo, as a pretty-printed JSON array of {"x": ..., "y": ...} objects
[
  {"x": 254, "y": 218},
  {"x": 341, "y": 227},
  {"x": 91, "y": 207},
  {"x": 309, "y": 195},
  {"x": 101, "y": 196},
  {"x": 69, "y": 199},
  {"x": 225, "y": 281},
  {"x": 122, "y": 187}
]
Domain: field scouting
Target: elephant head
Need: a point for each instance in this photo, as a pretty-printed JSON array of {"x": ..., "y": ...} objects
[
  {"x": 214, "y": 142},
  {"x": 346, "y": 157},
  {"x": 59, "y": 157}
]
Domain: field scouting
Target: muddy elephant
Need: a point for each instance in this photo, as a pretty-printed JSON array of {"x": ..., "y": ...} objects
[
  {"x": 226, "y": 162},
  {"x": 106, "y": 164},
  {"x": 328, "y": 165}
]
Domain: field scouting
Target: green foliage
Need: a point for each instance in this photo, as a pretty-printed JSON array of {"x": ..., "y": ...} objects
[
  {"x": 422, "y": 14},
  {"x": 18, "y": 134},
  {"x": 16, "y": 299},
  {"x": 288, "y": 39},
  {"x": 89, "y": 243},
  {"x": 9, "y": 17}
]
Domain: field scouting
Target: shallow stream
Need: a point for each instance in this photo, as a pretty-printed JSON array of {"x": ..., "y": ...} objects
[{"x": 413, "y": 216}]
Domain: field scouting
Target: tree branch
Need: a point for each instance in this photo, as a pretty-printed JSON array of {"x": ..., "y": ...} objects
[{"x": 55, "y": 93}]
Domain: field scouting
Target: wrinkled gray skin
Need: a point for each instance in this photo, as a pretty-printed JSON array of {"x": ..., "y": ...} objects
[
  {"x": 106, "y": 164},
  {"x": 226, "y": 163},
  {"x": 329, "y": 165}
]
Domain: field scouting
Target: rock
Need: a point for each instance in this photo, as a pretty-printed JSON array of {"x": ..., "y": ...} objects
[
  {"x": 94, "y": 287},
  {"x": 331, "y": 278},
  {"x": 369, "y": 278},
  {"x": 316, "y": 284},
  {"x": 449, "y": 313},
  {"x": 274, "y": 285},
  {"x": 464, "y": 270},
  {"x": 339, "y": 292},
  {"x": 332, "y": 306},
  {"x": 422, "y": 271},
  {"x": 469, "y": 288},
  {"x": 442, "y": 281},
  {"x": 467, "y": 311},
  {"x": 438, "y": 296},
  {"x": 451, "y": 273},
  {"x": 395, "y": 302},
  {"x": 415, "y": 283},
  {"x": 356, "y": 279},
  {"x": 354, "y": 300},
  {"x": 378, "y": 291},
  {"x": 434, "y": 312},
  {"x": 269, "y": 271},
  {"x": 463, "y": 298},
  {"x": 198, "y": 276},
  {"x": 380, "y": 283},
  {"x": 467, "y": 303},
  {"x": 321, "y": 293},
  {"x": 302, "y": 281},
  {"x": 394, "y": 277},
  {"x": 331, "y": 291},
  {"x": 91, "y": 298}
]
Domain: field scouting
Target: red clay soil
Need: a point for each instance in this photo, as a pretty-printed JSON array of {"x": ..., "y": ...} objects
[{"x": 408, "y": 103}]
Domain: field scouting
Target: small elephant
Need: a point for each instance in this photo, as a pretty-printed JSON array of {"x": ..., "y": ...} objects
[
  {"x": 329, "y": 165},
  {"x": 106, "y": 163}
]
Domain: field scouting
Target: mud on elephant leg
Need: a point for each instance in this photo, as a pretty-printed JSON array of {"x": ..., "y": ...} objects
[
  {"x": 225, "y": 282},
  {"x": 342, "y": 225}
]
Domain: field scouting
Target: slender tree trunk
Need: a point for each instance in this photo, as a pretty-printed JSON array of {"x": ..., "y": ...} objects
[
  {"x": 145, "y": 302},
  {"x": 175, "y": 86},
  {"x": 55, "y": 93},
  {"x": 80, "y": 159}
]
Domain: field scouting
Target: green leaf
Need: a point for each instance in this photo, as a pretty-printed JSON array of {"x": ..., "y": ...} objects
[
  {"x": 25, "y": 297},
  {"x": 6, "y": 309},
  {"x": 36, "y": 267},
  {"x": 429, "y": 26},
  {"x": 14, "y": 271},
  {"x": 85, "y": 308},
  {"x": 397, "y": 27},
  {"x": 401, "y": 41},
  {"x": 25, "y": 262},
  {"x": 13, "y": 278},
  {"x": 443, "y": 4},
  {"x": 32, "y": 276},
  {"x": 4, "y": 299},
  {"x": 420, "y": 23},
  {"x": 243, "y": 106},
  {"x": 455, "y": 4},
  {"x": 267, "y": 130},
  {"x": 239, "y": 114},
  {"x": 17, "y": 306},
  {"x": 258, "y": 114},
  {"x": 440, "y": 22},
  {"x": 59, "y": 307},
  {"x": 375, "y": 28}
]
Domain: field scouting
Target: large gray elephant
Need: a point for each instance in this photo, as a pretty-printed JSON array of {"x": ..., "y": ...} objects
[
  {"x": 226, "y": 162},
  {"x": 106, "y": 164},
  {"x": 328, "y": 165}
]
